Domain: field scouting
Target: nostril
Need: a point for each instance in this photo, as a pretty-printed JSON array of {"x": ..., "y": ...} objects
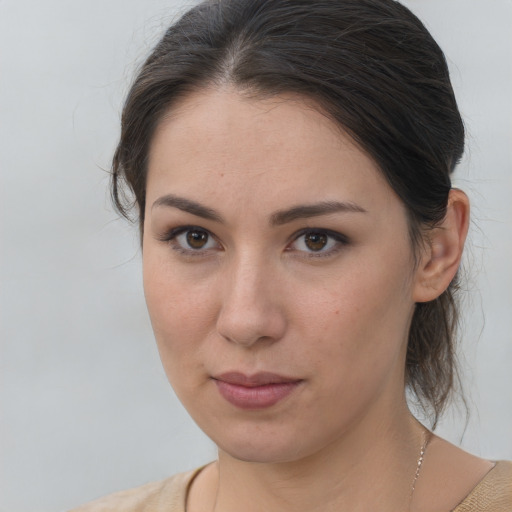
[{"x": 249, "y": 342}]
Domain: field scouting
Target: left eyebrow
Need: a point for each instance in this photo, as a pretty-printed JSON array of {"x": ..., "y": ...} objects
[
  {"x": 189, "y": 206},
  {"x": 314, "y": 210}
]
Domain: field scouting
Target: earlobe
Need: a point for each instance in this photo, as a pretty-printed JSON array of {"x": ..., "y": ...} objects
[{"x": 443, "y": 252}]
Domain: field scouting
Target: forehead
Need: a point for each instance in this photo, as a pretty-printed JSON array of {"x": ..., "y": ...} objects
[{"x": 219, "y": 145}]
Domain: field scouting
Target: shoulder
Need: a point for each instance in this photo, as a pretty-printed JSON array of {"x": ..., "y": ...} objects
[
  {"x": 166, "y": 495},
  {"x": 493, "y": 493}
]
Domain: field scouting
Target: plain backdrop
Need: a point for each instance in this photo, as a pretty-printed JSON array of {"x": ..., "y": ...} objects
[{"x": 85, "y": 406}]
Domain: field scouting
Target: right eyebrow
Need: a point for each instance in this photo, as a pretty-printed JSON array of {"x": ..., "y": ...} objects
[
  {"x": 314, "y": 210},
  {"x": 189, "y": 206}
]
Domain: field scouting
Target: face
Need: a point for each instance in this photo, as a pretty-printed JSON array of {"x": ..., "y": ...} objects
[{"x": 278, "y": 274}]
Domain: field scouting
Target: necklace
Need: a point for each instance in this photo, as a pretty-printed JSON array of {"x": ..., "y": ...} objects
[{"x": 419, "y": 463}]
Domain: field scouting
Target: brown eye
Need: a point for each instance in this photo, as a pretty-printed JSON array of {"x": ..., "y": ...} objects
[
  {"x": 318, "y": 242},
  {"x": 197, "y": 239},
  {"x": 315, "y": 241},
  {"x": 192, "y": 240}
]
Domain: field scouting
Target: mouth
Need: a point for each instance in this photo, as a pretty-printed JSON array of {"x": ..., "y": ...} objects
[{"x": 257, "y": 391}]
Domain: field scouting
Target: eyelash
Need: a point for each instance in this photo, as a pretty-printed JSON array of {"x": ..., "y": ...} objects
[
  {"x": 339, "y": 239},
  {"x": 171, "y": 236}
]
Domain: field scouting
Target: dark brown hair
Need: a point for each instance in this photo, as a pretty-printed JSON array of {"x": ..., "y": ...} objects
[{"x": 372, "y": 67}]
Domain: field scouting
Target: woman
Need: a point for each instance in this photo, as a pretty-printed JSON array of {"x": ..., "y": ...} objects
[{"x": 290, "y": 164}]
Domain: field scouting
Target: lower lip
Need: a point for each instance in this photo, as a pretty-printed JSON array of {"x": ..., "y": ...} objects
[{"x": 258, "y": 397}]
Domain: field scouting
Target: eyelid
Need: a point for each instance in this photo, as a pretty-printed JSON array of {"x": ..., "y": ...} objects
[
  {"x": 340, "y": 238},
  {"x": 170, "y": 236}
]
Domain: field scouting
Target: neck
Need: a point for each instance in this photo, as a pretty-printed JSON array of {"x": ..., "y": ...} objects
[{"x": 370, "y": 467}]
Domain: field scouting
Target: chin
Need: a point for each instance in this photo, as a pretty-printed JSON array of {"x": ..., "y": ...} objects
[
  {"x": 270, "y": 446},
  {"x": 261, "y": 454}
]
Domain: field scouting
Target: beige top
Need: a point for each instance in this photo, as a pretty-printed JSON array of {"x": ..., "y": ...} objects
[{"x": 492, "y": 494}]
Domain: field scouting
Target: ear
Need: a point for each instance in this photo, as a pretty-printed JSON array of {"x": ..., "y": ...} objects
[{"x": 443, "y": 251}]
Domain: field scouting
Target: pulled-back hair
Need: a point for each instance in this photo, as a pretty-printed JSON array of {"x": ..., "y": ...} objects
[{"x": 369, "y": 65}]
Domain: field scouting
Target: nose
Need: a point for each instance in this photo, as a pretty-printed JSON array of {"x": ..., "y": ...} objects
[{"x": 251, "y": 309}]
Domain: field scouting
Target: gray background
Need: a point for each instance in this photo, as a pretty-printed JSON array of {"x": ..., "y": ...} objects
[{"x": 85, "y": 406}]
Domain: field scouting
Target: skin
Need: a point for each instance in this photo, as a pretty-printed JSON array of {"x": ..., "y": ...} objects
[{"x": 256, "y": 297}]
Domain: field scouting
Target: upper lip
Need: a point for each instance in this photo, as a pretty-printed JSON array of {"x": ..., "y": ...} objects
[{"x": 257, "y": 379}]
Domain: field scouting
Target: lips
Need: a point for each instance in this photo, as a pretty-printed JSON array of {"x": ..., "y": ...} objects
[{"x": 256, "y": 391}]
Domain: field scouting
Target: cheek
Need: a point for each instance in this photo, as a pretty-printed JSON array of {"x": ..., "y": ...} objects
[
  {"x": 366, "y": 319},
  {"x": 181, "y": 309}
]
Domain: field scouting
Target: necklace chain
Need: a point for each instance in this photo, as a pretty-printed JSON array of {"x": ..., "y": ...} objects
[{"x": 419, "y": 464}]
